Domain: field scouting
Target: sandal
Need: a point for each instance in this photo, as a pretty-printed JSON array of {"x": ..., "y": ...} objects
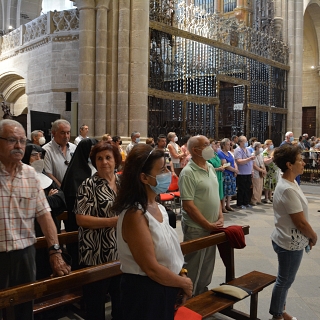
[
  {"x": 224, "y": 211},
  {"x": 229, "y": 209}
]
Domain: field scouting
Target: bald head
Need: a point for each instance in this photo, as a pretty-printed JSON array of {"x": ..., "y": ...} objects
[{"x": 197, "y": 142}]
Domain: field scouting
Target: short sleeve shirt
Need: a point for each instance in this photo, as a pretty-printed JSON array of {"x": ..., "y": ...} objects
[
  {"x": 246, "y": 168},
  {"x": 21, "y": 201},
  {"x": 202, "y": 188},
  {"x": 54, "y": 159},
  {"x": 288, "y": 198},
  {"x": 95, "y": 198}
]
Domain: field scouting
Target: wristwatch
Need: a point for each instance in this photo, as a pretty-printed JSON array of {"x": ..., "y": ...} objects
[{"x": 55, "y": 247}]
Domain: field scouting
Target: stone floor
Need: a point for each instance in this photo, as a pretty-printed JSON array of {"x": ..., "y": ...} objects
[{"x": 303, "y": 299}]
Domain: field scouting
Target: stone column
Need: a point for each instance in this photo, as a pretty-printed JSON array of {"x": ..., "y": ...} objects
[
  {"x": 278, "y": 20},
  {"x": 100, "y": 113},
  {"x": 295, "y": 42},
  {"x": 123, "y": 68},
  {"x": 217, "y": 6},
  {"x": 139, "y": 64},
  {"x": 87, "y": 43}
]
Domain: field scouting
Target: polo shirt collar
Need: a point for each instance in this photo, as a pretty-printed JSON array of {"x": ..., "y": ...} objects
[{"x": 57, "y": 145}]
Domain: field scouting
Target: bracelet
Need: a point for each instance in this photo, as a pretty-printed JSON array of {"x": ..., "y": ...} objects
[{"x": 183, "y": 271}]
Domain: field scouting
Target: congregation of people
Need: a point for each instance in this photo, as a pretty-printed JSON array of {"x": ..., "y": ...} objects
[{"x": 111, "y": 196}]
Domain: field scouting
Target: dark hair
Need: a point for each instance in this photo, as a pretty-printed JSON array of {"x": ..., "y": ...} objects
[
  {"x": 284, "y": 154},
  {"x": 132, "y": 191},
  {"x": 104, "y": 145},
  {"x": 185, "y": 139},
  {"x": 116, "y": 138},
  {"x": 162, "y": 136}
]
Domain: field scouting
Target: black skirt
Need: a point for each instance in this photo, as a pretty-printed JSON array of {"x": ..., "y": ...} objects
[{"x": 145, "y": 299}]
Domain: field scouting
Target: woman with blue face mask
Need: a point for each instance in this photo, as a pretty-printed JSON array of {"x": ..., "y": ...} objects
[
  {"x": 271, "y": 178},
  {"x": 149, "y": 249}
]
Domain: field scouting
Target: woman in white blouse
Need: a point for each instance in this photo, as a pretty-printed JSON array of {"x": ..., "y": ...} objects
[{"x": 148, "y": 248}]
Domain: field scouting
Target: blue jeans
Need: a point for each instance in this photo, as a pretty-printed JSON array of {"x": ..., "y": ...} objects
[{"x": 288, "y": 265}]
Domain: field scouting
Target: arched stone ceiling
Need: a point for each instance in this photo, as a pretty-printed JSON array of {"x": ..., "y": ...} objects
[
  {"x": 12, "y": 86},
  {"x": 313, "y": 11}
]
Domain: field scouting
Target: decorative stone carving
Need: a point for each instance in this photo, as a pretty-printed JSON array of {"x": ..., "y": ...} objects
[{"x": 65, "y": 20}]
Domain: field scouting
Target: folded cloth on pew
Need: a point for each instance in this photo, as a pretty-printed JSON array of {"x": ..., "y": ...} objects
[
  {"x": 184, "y": 313},
  {"x": 236, "y": 238},
  {"x": 233, "y": 291}
]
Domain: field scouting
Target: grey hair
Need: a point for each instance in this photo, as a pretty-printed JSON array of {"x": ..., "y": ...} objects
[
  {"x": 56, "y": 124},
  {"x": 170, "y": 135},
  {"x": 134, "y": 133},
  {"x": 82, "y": 127},
  {"x": 224, "y": 141},
  {"x": 289, "y": 132},
  {"x": 256, "y": 144},
  {"x": 35, "y": 134},
  {"x": 10, "y": 123}
]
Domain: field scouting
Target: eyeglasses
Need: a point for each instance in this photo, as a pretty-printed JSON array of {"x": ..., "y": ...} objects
[
  {"x": 38, "y": 154},
  {"x": 66, "y": 162},
  {"x": 145, "y": 161},
  {"x": 13, "y": 141}
]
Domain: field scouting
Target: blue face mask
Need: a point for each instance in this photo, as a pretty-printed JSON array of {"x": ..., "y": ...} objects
[
  {"x": 137, "y": 140},
  {"x": 246, "y": 144},
  {"x": 291, "y": 139},
  {"x": 163, "y": 182},
  {"x": 271, "y": 146}
]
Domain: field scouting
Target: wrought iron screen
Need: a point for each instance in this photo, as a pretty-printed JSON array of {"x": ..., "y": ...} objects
[{"x": 193, "y": 51}]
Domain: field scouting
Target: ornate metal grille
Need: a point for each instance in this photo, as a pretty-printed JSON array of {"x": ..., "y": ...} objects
[
  {"x": 192, "y": 52},
  {"x": 229, "y": 5}
]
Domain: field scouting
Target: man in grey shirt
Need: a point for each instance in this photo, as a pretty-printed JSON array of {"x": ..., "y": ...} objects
[{"x": 58, "y": 151}]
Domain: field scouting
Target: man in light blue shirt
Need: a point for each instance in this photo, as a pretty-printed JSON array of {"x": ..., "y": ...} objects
[{"x": 244, "y": 160}]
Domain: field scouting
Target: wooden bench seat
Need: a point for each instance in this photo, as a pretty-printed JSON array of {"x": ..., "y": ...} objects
[
  {"x": 57, "y": 300},
  {"x": 51, "y": 293},
  {"x": 208, "y": 303}
]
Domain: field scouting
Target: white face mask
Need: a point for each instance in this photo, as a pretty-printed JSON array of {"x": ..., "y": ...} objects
[
  {"x": 42, "y": 141},
  {"x": 260, "y": 150},
  {"x": 207, "y": 153},
  {"x": 175, "y": 139}
]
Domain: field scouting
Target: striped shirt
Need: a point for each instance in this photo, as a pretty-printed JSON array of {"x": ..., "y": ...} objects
[{"x": 21, "y": 201}]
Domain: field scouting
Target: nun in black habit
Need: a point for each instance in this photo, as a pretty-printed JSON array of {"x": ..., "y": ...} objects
[{"x": 79, "y": 169}]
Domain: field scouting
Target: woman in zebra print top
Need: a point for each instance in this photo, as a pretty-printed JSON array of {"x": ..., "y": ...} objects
[{"x": 97, "y": 233}]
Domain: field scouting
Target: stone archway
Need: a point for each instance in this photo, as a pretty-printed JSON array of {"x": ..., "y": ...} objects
[{"x": 13, "y": 90}]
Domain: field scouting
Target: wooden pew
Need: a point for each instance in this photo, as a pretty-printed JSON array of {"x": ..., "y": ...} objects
[{"x": 54, "y": 292}]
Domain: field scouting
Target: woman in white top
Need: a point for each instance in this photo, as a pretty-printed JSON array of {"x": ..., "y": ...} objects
[
  {"x": 292, "y": 233},
  {"x": 148, "y": 248},
  {"x": 176, "y": 153}
]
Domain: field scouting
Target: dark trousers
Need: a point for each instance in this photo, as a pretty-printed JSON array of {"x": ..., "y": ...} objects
[
  {"x": 94, "y": 295},
  {"x": 18, "y": 267},
  {"x": 243, "y": 189},
  {"x": 145, "y": 299}
]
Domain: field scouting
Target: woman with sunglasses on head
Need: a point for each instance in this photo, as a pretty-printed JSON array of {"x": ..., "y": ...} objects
[{"x": 149, "y": 250}]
